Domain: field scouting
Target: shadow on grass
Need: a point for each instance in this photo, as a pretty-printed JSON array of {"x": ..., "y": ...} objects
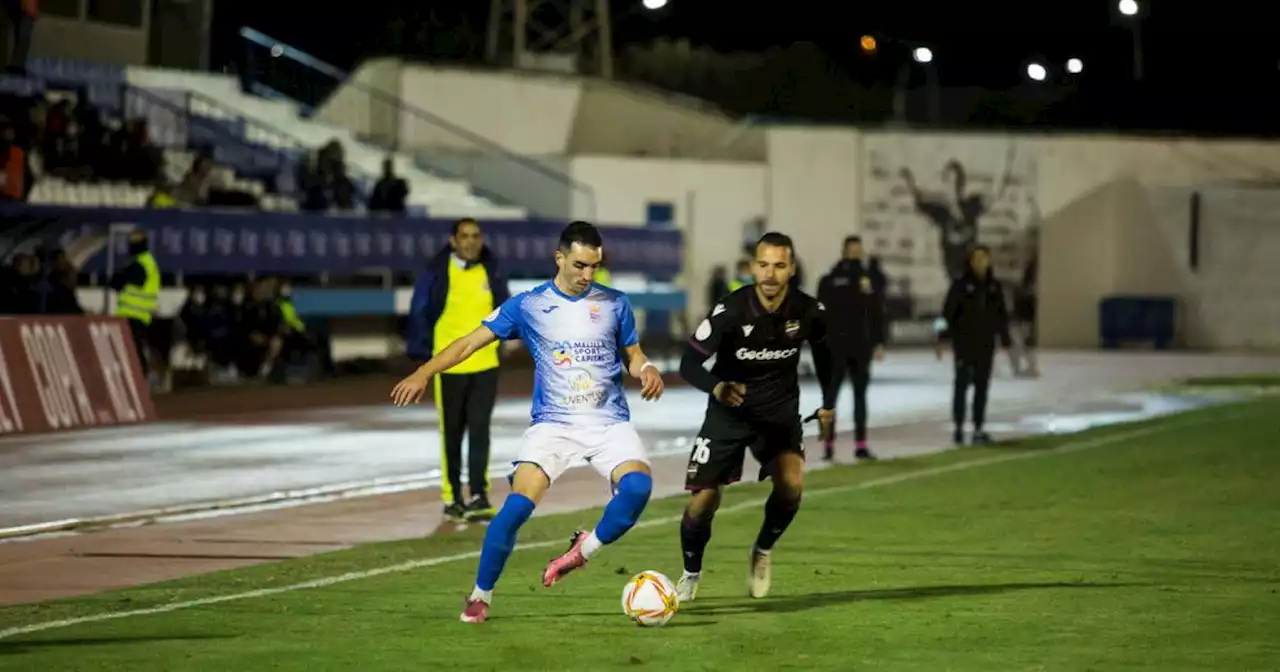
[
  {"x": 725, "y": 606},
  {"x": 715, "y": 606},
  {"x": 12, "y": 647}
]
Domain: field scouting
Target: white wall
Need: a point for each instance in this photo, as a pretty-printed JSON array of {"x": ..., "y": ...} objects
[
  {"x": 712, "y": 201},
  {"x": 827, "y": 182},
  {"x": 536, "y": 113},
  {"x": 814, "y": 191}
]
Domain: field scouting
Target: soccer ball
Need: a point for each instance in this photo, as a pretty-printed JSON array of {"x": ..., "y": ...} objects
[{"x": 649, "y": 599}]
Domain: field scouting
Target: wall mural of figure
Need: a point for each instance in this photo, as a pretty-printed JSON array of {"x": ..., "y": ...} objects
[{"x": 928, "y": 200}]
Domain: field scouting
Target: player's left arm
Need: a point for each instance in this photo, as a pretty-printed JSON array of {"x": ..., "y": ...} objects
[
  {"x": 822, "y": 358},
  {"x": 638, "y": 364}
]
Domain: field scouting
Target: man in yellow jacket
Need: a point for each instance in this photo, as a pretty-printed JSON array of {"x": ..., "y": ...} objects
[
  {"x": 458, "y": 289},
  {"x": 137, "y": 289}
]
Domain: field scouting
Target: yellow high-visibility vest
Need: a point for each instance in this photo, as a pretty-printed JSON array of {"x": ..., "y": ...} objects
[
  {"x": 603, "y": 277},
  {"x": 140, "y": 302},
  {"x": 290, "y": 316}
]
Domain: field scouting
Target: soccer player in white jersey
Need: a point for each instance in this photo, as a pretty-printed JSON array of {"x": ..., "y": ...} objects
[{"x": 578, "y": 333}]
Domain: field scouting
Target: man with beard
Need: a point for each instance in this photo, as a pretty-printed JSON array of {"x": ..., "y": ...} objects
[{"x": 755, "y": 334}]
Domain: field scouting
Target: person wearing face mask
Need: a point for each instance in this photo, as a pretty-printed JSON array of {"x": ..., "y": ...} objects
[
  {"x": 976, "y": 317},
  {"x": 137, "y": 289},
  {"x": 856, "y": 320}
]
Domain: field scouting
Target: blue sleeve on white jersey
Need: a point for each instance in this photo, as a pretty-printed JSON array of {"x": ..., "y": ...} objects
[
  {"x": 507, "y": 321},
  {"x": 627, "y": 335}
]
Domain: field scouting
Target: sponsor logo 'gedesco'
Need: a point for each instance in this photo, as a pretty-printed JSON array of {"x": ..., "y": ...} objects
[{"x": 765, "y": 355}]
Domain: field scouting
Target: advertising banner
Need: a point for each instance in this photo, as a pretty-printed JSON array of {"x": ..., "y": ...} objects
[{"x": 61, "y": 373}]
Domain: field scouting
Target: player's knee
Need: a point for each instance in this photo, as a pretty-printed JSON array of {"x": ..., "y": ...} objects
[
  {"x": 635, "y": 488},
  {"x": 703, "y": 504},
  {"x": 790, "y": 490}
]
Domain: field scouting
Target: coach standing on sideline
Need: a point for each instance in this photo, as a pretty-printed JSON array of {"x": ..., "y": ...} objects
[
  {"x": 976, "y": 316},
  {"x": 460, "y": 287},
  {"x": 856, "y": 324}
]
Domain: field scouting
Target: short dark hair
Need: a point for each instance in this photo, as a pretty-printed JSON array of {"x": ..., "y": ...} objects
[
  {"x": 582, "y": 233},
  {"x": 457, "y": 226},
  {"x": 776, "y": 239},
  {"x": 852, "y": 239}
]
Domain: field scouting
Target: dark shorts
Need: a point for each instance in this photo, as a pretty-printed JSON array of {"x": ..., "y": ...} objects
[{"x": 722, "y": 444}]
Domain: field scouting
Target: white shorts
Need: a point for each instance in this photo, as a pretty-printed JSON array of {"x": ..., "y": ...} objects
[{"x": 555, "y": 448}]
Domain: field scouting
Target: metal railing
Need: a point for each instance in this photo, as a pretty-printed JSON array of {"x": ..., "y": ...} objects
[
  {"x": 261, "y": 133},
  {"x": 173, "y": 125},
  {"x": 275, "y": 69}
]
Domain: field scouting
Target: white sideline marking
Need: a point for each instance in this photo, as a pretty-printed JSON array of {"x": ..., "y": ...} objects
[{"x": 670, "y": 520}]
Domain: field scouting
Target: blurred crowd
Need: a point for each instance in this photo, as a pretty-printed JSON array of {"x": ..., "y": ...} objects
[
  {"x": 67, "y": 137},
  {"x": 39, "y": 283},
  {"x": 239, "y": 330},
  {"x": 324, "y": 185},
  {"x": 232, "y": 330}
]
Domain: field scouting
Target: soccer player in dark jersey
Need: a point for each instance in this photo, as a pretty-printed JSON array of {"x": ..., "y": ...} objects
[{"x": 755, "y": 334}]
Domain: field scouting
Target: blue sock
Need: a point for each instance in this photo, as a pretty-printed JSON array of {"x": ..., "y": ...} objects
[
  {"x": 624, "y": 509},
  {"x": 500, "y": 539}
]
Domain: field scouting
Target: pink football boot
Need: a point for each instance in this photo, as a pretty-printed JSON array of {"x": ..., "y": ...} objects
[{"x": 571, "y": 560}]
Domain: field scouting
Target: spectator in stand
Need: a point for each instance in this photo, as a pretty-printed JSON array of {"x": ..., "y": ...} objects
[
  {"x": 195, "y": 185},
  {"x": 56, "y": 286},
  {"x": 19, "y": 289},
  {"x": 332, "y": 166},
  {"x": 14, "y": 176},
  {"x": 391, "y": 191},
  {"x": 92, "y": 138},
  {"x": 56, "y": 145},
  {"x": 22, "y": 16},
  {"x": 133, "y": 158},
  {"x": 310, "y": 184},
  {"x": 162, "y": 195}
]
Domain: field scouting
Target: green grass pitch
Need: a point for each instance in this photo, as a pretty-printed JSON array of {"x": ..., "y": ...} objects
[{"x": 1149, "y": 546}]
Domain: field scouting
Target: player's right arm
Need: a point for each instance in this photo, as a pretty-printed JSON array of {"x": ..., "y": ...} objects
[
  {"x": 704, "y": 343},
  {"x": 504, "y": 323}
]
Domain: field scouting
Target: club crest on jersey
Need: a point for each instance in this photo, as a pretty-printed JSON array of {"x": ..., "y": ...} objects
[
  {"x": 866, "y": 285},
  {"x": 792, "y": 328},
  {"x": 594, "y": 310}
]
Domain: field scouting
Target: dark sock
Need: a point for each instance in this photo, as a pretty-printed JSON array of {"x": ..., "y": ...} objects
[
  {"x": 779, "y": 511},
  {"x": 694, "y": 537}
]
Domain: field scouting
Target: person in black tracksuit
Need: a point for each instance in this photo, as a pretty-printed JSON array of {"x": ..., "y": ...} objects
[
  {"x": 856, "y": 321},
  {"x": 976, "y": 316}
]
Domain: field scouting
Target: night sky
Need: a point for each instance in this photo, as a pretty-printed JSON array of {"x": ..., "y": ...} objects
[{"x": 1188, "y": 50}]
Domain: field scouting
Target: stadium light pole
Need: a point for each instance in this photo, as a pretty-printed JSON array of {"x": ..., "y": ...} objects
[
  {"x": 923, "y": 57},
  {"x": 1130, "y": 9},
  {"x": 562, "y": 26}
]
